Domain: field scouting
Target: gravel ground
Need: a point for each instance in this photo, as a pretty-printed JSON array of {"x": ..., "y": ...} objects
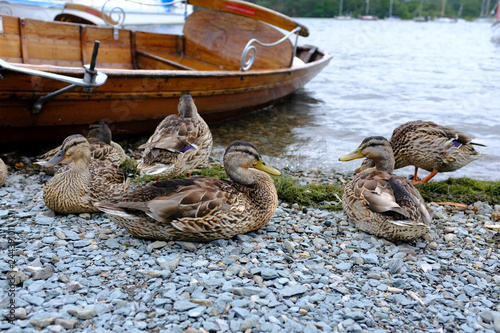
[{"x": 308, "y": 270}]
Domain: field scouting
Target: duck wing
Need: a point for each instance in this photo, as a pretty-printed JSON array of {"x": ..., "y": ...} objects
[
  {"x": 182, "y": 202},
  {"x": 378, "y": 194}
]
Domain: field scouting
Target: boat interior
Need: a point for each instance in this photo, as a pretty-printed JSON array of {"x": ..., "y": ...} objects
[{"x": 211, "y": 41}]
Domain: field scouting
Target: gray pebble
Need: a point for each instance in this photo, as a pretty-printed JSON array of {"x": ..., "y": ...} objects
[
  {"x": 83, "y": 313},
  {"x": 293, "y": 290},
  {"x": 71, "y": 235},
  {"x": 184, "y": 305},
  {"x": 188, "y": 246},
  {"x": 42, "y": 322},
  {"x": 269, "y": 274},
  {"x": 307, "y": 270},
  {"x": 112, "y": 243},
  {"x": 44, "y": 273}
]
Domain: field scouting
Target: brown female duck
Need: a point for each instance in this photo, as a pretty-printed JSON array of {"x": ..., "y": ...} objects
[
  {"x": 3, "y": 172},
  {"x": 431, "y": 147},
  {"x": 201, "y": 208},
  {"x": 179, "y": 144},
  {"x": 101, "y": 147},
  {"x": 381, "y": 203},
  {"x": 77, "y": 186}
]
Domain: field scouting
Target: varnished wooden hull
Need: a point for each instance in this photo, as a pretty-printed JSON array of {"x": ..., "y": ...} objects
[{"x": 135, "y": 100}]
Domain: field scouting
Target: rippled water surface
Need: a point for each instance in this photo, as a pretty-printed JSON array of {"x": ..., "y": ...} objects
[{"x": 382, "y": 74}]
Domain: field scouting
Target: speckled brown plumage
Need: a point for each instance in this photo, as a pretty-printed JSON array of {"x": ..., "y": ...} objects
[
  {"x": 3, "y": 172},
  {"x": 76, "y": 187},
  {"x": 429, "y": 146},
  {"x": 101, "y": 148},
  {"x": 201, "y": 208},
  {"x": 101, "y": 145},
  {"x": 381, "y": 203},
  {"x": 179, "y": 144}
]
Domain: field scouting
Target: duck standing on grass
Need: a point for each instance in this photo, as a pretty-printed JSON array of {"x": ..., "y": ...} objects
[
  {"x": 201, "y": 208},
  {"x": 77, "y": 186},
  {"x": 179, "y": 144},
  {"x": 381, "y": 203},
  {"x": 429, "y": 146}
]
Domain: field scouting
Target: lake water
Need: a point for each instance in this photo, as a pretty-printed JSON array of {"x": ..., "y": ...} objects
[{"x": 383, "y": 73}]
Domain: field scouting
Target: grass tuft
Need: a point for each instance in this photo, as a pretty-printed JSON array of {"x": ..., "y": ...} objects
[
  {"x": 310, "y": 195},
  {"x": 215, "y": 170},
  {"x": 129, "y": 167},
  {"x": 328, "y": 196},
  {"x": 461, "y": 190}
]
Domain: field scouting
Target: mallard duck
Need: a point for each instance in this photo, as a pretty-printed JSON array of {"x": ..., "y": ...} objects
[
  {"x": 101, "y": 147},
  {"x": 201, "y": 208},
  {"x": 3, "y": 172},
  {"x": 381, "y": 203},
  {"x": 179, "y": 144},
  {"x": 76, "y": 187},
  {"x": 429, "y": 146}
]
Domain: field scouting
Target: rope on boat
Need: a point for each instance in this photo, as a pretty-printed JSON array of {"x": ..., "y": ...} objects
[{"x": 250, "y": 51}]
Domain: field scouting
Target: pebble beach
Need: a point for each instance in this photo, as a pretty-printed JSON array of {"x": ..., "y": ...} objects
[{"x": 307, "y": 270}]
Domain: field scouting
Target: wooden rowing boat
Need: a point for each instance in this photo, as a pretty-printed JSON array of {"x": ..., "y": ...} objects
[{"x": 142, "y": 74}]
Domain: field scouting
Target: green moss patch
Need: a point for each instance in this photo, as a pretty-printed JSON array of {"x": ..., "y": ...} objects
[
  {"x": 129, "y": 166},
  {"x": 461, "y": 190},
  {"x": 327, "y": 196},
  {"x": 310, "y": 195},
  {"x": 215, "y": 170}
]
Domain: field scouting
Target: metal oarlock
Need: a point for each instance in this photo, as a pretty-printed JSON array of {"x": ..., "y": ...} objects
[{"x": 91, "y": 79}]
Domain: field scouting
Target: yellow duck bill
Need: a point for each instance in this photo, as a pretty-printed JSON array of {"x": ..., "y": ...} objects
[
  {"x": 262, "y": 166},
  {"x": 352, "y": 156}
]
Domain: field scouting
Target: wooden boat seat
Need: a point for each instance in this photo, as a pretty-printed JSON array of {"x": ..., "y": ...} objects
[
  {"x": 165, "y": 51},
  {"x": 148, "y": 60},
  {"x": 169, "y": 61},
  {"x": 220, "y": 38}
]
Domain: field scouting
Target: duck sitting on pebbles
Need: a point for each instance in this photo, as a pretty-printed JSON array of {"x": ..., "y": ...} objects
[
  {"x": 101, "y": 147},
  {"x": 77, "y": 186},
  {"x": 381, "y": 203},
  {"x": 179, "y": 144},
  {"x": 3, "y": 172},
  {"x": 201, "y": 208}
]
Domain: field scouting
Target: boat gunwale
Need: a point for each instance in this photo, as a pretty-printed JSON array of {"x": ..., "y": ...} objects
[{"x": 140, "y": 73}]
